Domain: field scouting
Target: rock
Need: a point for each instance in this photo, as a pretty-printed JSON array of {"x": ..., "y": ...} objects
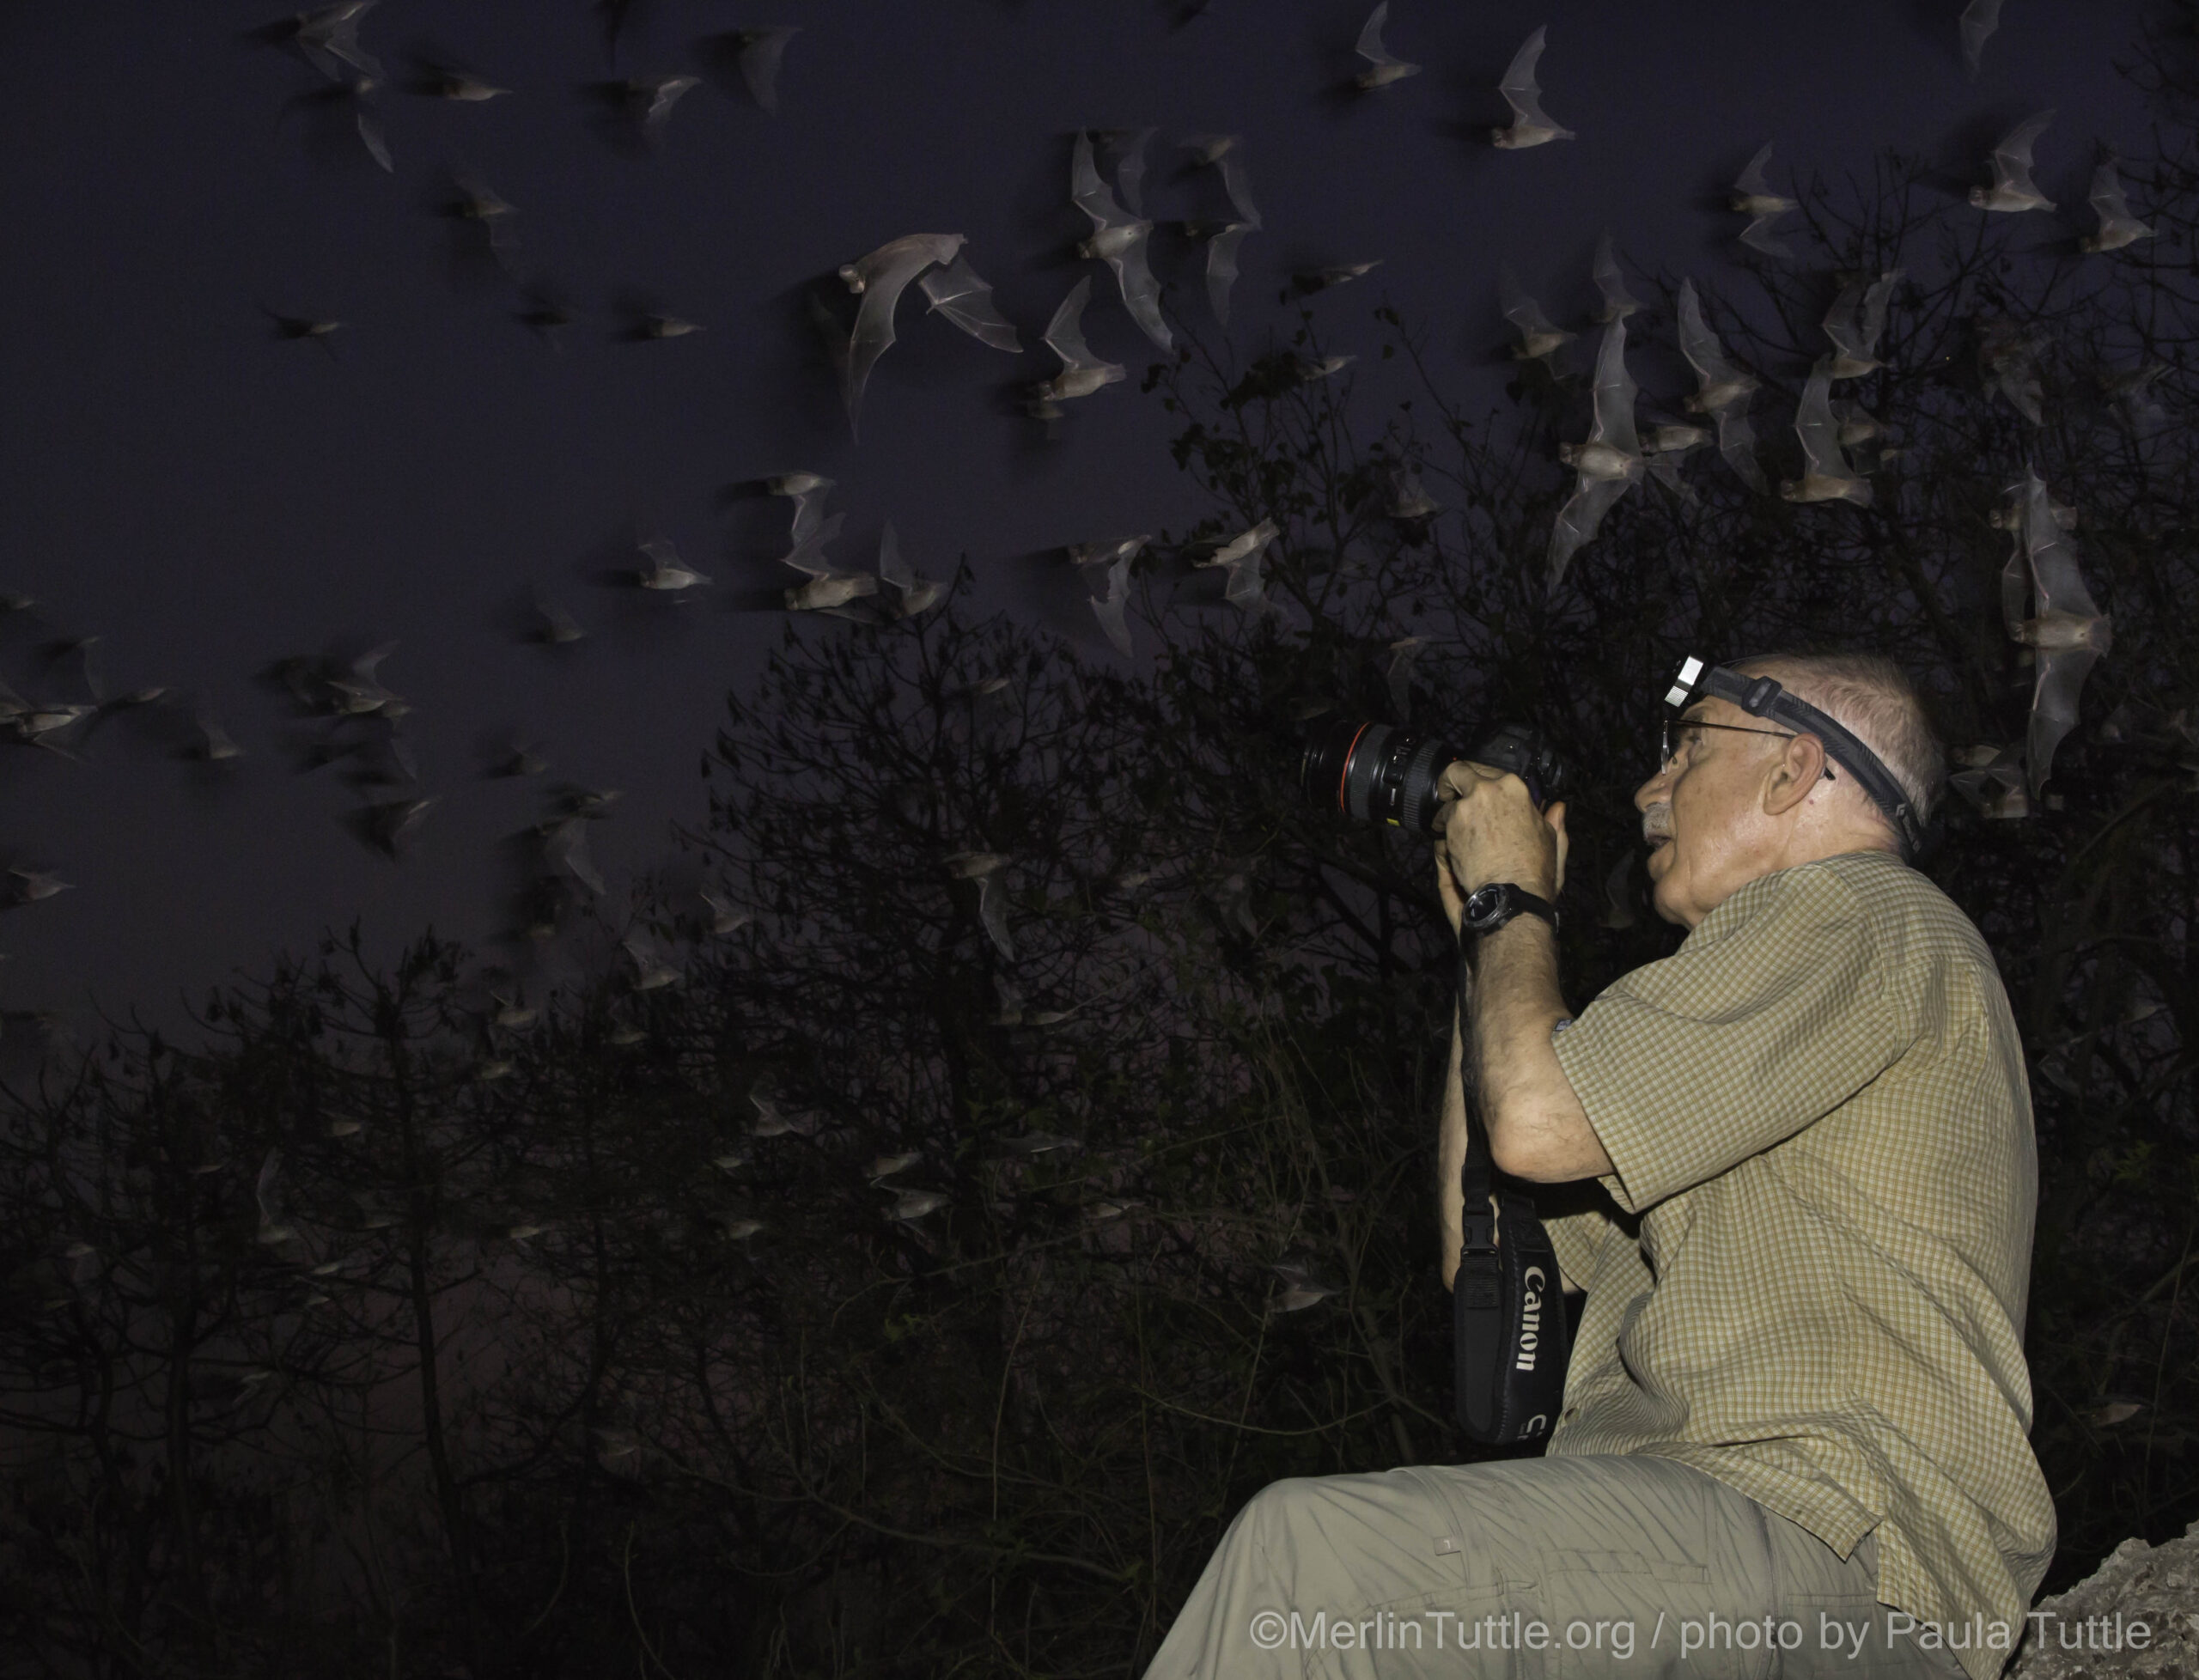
[{"x": 2086, "y": 1632}]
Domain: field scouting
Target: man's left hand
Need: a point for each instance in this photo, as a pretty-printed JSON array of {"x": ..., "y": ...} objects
[{"x": 1492, "y": 832}]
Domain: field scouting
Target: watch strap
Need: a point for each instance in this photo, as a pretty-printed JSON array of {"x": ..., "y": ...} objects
[{"x": 1516, "y": 901}]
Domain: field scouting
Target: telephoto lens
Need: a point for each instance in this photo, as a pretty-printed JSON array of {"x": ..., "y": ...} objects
[{"x": 1374, "y": 773}]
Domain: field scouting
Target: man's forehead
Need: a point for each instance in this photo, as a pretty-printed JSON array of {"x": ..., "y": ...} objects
[{"x": 1710, "y": 710}]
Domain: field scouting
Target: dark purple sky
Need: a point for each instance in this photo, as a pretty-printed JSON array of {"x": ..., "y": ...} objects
[{"x": 206, "y": 499}]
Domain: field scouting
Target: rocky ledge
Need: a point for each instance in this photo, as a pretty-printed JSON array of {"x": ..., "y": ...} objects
[{"x": 2092, "y": 1631}]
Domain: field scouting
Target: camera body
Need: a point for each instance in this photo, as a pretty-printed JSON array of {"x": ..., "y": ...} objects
[{"x": 1374, "y": 773}]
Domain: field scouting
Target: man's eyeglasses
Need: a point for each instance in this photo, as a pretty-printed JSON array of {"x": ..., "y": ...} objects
[{"x": 1673, "y": 739}]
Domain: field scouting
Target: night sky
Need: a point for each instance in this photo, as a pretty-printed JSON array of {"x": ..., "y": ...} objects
[{"x": 207, "y": 498}]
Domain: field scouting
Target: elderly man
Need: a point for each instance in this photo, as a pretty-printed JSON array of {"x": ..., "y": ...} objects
[{"x": 1793, "y": 1438}]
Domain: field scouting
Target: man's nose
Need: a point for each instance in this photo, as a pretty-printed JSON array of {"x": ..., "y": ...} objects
[{"x": 1645, "y": 795}]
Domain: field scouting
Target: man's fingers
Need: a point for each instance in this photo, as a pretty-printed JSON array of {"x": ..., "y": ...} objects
[
  {"x": 1447, "y": 888},
  {"x": 1462, "y": 776},
  {"x": 1446, "y": 874}
]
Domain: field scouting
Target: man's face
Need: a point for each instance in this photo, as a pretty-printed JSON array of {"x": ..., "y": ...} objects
[{"x": 1702, "y": 813}]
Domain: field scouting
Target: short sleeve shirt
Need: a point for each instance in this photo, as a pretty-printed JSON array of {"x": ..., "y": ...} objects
[{"x": 1812, "y": 1284}]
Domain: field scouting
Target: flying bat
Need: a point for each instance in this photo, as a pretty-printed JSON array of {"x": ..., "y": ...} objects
[
  {"x": 1826, "y": 475},
  {"x": 880, "y": 279},
  {"x": 1753, "y": 198},
  {"x": 2067, "y": 629},
  {"x": 1530, "y": 124},
  {"x": 2117, "y": 227},
  {"x": 1082, "y": 373},
  {"x": 1608, "y": 463},
  {"x": 1120, "y": 240},
  {"x": 1855, "y": 323},
  {"x": 1610, "y": 281},
  {"x": 1724, "y": 390},
  {"x": 2014, "y": 189},
  {"x": 1383, "y": 66}
]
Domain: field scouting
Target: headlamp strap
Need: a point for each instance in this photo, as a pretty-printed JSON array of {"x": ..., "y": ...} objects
[{"x": 1763, "y": 697}]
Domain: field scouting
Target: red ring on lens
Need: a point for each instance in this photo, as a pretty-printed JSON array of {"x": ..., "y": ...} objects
[{"x": 1343, "y": 775}]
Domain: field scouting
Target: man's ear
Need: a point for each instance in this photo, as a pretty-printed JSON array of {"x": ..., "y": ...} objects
[{"x": 1794, "y": 775}]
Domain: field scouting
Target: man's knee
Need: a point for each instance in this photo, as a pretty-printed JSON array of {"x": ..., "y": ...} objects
[{"x": 1303, "y": 1517}]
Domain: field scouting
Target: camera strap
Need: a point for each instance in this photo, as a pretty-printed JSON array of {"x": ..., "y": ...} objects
[{"x": 1511, "y": 1337}]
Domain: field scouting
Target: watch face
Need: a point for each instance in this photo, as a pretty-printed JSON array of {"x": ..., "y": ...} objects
[{"x": 1485, "y": 902}]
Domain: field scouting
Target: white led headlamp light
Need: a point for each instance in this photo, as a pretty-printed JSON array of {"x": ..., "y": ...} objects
[{"x": 1763, "y": 697}]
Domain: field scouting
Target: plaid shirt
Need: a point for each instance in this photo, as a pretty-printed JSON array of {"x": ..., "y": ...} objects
[{"x": 1813, "y": 1287}]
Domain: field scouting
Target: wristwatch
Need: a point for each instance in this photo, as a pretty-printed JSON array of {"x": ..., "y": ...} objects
[{"x": 1488, "y": 908}]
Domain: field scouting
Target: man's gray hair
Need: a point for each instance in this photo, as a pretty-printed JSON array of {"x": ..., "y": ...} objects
[{"x": 1875, "y": 698}]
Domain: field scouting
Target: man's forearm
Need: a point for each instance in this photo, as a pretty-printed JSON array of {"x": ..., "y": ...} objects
[
  {"x": 1451, "y": 1158},
  {"x": 1537, "y": 1126}
]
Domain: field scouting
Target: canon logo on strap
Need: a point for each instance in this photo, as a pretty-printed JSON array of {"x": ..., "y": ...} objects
[{"x": 1530, "y": 1319}]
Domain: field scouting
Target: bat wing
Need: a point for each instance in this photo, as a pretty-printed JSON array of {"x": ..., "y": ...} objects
[
  {"x": 1065, "y": 332},
  {"x": 1751, "y": 180},
  {"x": 1615, "y": 394},
  {"x": 2053, "y": 557},
  {"x": 1244, "y": 545},
  {"x": 1519, "y": 88},
  {"x": 566, "y": 849},
  {"x": 809, "y": 511},
  {"x": 372, "y": 137},
  {"x": 1239, "y": 186},
  {"x": 1839, "y": 322},
  {"x": 1699, "y": 344},
  {"x": 1370, "y": 36},
  {"x": 331, "y": 33},
  {"x": 886, "y": 275},
  {"x": 1737, "y": 443},
  {"x": 760, "y": 65},
  {"x": 1088, "y": 192},
  {"x": 2062, "y": 673},
  {"x": 891, "y": 567},
  {"x": 2108, "y": 200},
  {"x": 1578, "y": 519},
  {"x": 1112, "y": 612},
  {"x": 1979, "y": 19},
  {"x": 1140, "y": 291},
  {"x": 1129, "y": 174},
  {"x": 992, "y": 912},
  {"x": 2112, "y": 205},
  {"x": 1222, "y": 267},
  {"x": 1521, "y": 310},
  {"x": 808, "y": 554},
  {"x": 1399, "y": 674},
  {"x": 957, "y": 292},
  {"x": 1247, "y": 588},
  {"x": 1512, "y": 297},
  {"x": 2012, "y": 158},
  {"x": 1814, "y": 426},
  {"x": 1610, "y": 281},
  {"x": 1759, "y": 236}
]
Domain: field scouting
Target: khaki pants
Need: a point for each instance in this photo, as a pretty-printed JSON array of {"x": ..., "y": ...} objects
[{"x": 1603, "y": 1565}]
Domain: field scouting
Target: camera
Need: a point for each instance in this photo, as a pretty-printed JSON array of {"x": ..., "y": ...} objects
[{"x": 1374, "y": 773}]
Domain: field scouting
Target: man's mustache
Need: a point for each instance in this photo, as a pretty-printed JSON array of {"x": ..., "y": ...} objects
[{"x": 1657, "y": 825}]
